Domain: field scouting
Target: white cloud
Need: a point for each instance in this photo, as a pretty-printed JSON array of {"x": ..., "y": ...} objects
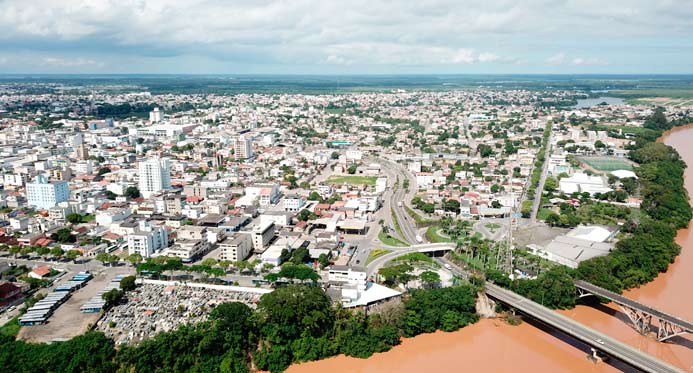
[
  {"x": 69, "y": 62},
  {"x": 488, "y": 57},
  {"x": 557, "y": 59},
  {"x": 580, "y": 61},
  {"x": 334, "y": 32}
]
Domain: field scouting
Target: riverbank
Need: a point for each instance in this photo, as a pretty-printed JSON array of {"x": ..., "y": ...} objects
[
  {"x": 493, "y": 345},
  {"x": 488, "y": 345}
]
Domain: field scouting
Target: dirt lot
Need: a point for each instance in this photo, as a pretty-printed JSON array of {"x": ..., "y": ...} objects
[
  {"x": 538, "y": 234},
  {"x": 68, "y": 321}
]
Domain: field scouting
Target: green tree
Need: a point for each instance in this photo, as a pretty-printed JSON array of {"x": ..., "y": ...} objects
[
  {"x": 128, "y": 283},
  {"x": 132, "y": 192},
  {"x": 57, "y": 252},
  {"x": 73, "y": 254},
  {"x": 305, "y": 215},
  {"x": 112, "y": 296},
  {"x": 551, "y": 184},
  {"x": 430, "y": 279},
  {"x": 134, "y": 259},
  {"x": 74, "y": 218},
  {"x": 314, "y": 196}
]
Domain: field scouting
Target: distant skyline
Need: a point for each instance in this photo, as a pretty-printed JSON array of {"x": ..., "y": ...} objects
[{"x": 346, "y": 37}]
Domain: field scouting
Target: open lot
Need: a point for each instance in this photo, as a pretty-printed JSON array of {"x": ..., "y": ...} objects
[
  {"x": 68, "y": 321},
  {"x": 353, "y": 180}
]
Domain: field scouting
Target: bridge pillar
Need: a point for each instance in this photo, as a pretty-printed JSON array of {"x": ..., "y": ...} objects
[
  {"x": 668, "y": 330},
  {"x": 641, "y": 321},
  {"x": 595, "y": 356}
]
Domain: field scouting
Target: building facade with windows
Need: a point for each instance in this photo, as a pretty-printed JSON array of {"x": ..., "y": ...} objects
[
  {"x": 43, "y": 194},
  {"x": 154, "y": 176}
]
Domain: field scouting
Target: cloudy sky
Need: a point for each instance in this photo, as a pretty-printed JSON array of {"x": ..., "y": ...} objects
[{"x": 346, "y": 36}]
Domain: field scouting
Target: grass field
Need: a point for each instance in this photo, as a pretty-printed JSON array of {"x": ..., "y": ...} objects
[
  {"x": 434, "y": 237},
  {"x": 389, "y": 240},
  {"x": 376, "y": 253},
  {"x": 543, "y": 213},
  {"x": 353, "y": 180},
  {"x": 492, "y": 226},
  {"x": 607, "y": 163}
]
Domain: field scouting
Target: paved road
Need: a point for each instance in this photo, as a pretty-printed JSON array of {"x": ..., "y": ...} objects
[
  {"x": 406, "y": 222},
  {"x": 593, "y": 338},
  {"x": 378, "y": 262},
  {"x": 495, "y": 234},
  {"x": 540, "y": 188}
]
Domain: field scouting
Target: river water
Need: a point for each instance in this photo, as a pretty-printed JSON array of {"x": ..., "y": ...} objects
[{"x": 494, "y": 346}]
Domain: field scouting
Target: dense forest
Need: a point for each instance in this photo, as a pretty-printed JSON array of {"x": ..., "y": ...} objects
[{"x": 292, "y": 324}]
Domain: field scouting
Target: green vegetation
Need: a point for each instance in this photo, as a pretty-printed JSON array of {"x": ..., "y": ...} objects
[
  {"x": 648, "y": 246},
  {"x": 539, "y": 162},
  {"x": 292, "y": 324},
  {"x": 416, "y": 258},
  {"x": 553, "y": 288},
  {"x": 433, "y": 235},
  {"x": 544, "y": 213},
  {"x": 11, "y": 328},
  {"x": 423, "y": 206},
  {"x": 353, "y": 180},
  {"x": 389, "y": 240},
  {"x": 420, "y": 221},
  {"x": 398, "y": 228},
  {"x": 376, "y": 253}
]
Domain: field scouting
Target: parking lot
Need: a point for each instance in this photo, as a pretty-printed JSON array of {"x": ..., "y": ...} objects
[{"x": 68, "y": 321}]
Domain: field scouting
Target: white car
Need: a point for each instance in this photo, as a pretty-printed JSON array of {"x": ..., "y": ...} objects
[{"x": 599, "y": 341}]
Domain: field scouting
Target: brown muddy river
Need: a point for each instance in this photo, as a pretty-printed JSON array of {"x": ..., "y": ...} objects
[{"x": 494, "y": 346}]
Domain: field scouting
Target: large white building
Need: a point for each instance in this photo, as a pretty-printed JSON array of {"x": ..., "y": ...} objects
[
  {"x": 293, "y": 202},
  {"x": 147, "y": 239},
  {"x": 155, "y": 115},
  {"x": 242, "y": 148},
  {"x": 262, "y": 235},
  {"x": 237, "y": 247},
  {"x": 581, "y": 182},
  {"x": 43, "y": 194},
  {"x": 154, "y": 176}
]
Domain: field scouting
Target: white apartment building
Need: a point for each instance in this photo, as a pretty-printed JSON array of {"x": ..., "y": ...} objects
[
  {"x": 242, "y": 148},
  {"x": 154, "y": 176},
  {"x": 293, "y": 202},
  {"x": 105, "y": 218},
  {"x": 348, "y": 275},
  {"x": 265, "y": 194},
  {"x": 42, "y": 194},
  {"x": 262, "y": 235},
  {"x": 147, "y": 239},
  {"x": 16, "y": 180},
  {"x": 237, "y": 247},
  {"x": 156, "y": 115}
]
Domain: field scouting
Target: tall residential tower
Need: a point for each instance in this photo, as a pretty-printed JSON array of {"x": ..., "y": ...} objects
[{"x": 154, "y": 176}]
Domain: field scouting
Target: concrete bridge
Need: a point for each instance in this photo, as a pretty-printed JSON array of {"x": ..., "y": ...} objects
[
  {"x": 596, "y": 340},
  {"x": 639, "y": 314}
]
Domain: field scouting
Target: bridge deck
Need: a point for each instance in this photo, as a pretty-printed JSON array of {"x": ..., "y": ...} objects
[
  {"x": 620, "y": 299},
  {"x": 597, "y": 340}
]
